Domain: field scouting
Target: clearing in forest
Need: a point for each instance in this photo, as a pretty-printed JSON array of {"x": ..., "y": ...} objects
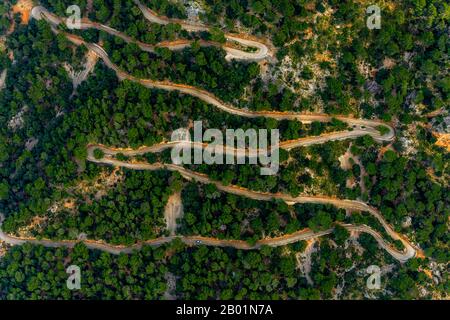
[{"x": 173, "y": 211}]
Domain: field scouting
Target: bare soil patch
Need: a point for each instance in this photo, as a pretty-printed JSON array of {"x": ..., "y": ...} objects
[{"x": 173, "y": 211}]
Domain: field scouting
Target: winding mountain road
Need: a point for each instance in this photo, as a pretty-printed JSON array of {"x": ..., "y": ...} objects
[
  {"x": 409, "y": 252},
  {"x": 360, "y": 127},
  {"x": 261, "y": 50},
  {"x": 237, "y": 152},
  {"x": 306, "y": 234}
]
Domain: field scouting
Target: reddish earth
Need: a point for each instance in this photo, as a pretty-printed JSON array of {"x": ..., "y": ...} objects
[
  {"x": 24, "y": 8},
  {"x": 443, "y": 140}
]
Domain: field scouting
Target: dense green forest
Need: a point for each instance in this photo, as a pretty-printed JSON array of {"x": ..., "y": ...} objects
[
  {"x": 102, "y": 111},
  {"x": 211, "y": 212},
  {"x": 35, "y": 272},
  {"x": 401, "y": 188},
  {"x": 131, "y": 211},
  {"x": 397, "y": 74},
  {"x": 417, "y": 28},
  {"x": 297, "y": 169},
  {"x": 402, "y": 28}
]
